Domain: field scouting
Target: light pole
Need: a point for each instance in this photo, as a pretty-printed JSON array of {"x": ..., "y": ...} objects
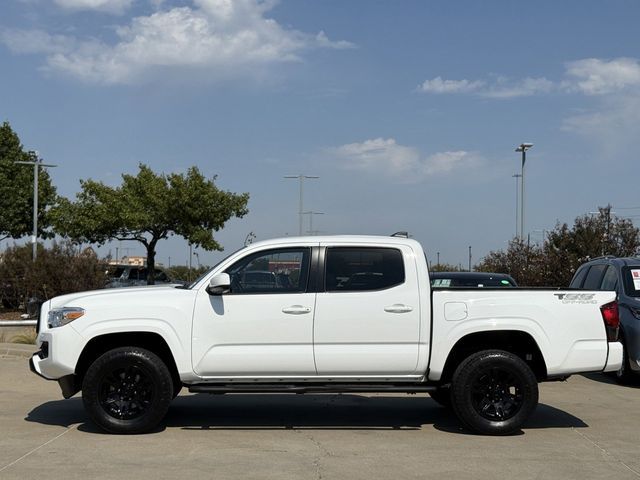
[
  {"x": 300, "y": 209},
  {"x": 37, "y": 163},
  {"x": 311, "y": 214},
  {"x": 469, "y": 257},
  {"x": 522, "y": 149},
  {"x": 517, "y": 176}
]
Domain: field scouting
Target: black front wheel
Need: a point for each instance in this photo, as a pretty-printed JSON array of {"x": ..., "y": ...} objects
[
  {"x": 494, "y": 392},
  {"x": 127, "y": 390}
]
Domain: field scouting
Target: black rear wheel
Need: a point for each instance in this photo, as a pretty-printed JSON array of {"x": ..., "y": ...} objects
[
  {"x": 625, "y": 375},
  {"x": 127, "y": 390},
  {"x": 494, "y": 392}
]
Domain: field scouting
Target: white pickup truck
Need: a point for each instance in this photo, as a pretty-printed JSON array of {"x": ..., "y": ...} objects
[{"x": 323, "y": 314}]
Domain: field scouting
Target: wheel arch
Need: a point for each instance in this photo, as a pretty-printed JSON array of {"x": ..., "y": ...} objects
[
  {"x": 100, "y": 344},
  {"x": 518, "y": 342}
]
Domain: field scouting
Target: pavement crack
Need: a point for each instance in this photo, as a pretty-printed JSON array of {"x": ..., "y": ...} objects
[
  {"x": 321, "y": 453},
  {"x": 606, "y": 452},
  {"x": 37, "y": 448}
]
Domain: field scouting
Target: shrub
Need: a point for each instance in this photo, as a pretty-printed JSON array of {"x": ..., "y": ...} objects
[{"x": 58, "y": 270}]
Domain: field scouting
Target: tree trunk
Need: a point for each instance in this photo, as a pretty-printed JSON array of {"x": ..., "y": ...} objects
[{"x": 151, "y": 262}]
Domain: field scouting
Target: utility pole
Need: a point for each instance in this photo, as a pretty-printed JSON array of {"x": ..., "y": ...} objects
[
  {"x": 300, "y": 207},
  {"x": 37, "y": 163},
  {"x": 438, "y": 255},
  {"x": 311, "y": 214},
  {"x": 469, "y": 257}
]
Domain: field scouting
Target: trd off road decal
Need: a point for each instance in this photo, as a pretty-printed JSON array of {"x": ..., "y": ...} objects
[{"x": 576, "y": 297}]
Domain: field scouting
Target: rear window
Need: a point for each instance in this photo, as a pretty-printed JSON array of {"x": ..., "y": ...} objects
[
  {"x": 631, "y": 280},
  {"x": 594, "y": 277},
  {"x": 578, "y": 277},
  {"x": 363, "y": 268}
]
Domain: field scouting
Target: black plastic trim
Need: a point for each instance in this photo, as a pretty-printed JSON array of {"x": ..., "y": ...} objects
[{"x": 333, "y": 387}]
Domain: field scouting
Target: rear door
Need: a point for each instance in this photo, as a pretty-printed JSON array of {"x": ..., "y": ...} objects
[{"x": 367, "y": 319}]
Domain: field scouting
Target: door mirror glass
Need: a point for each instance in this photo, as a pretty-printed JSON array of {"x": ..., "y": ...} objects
[{"x": 219, "y": 284}]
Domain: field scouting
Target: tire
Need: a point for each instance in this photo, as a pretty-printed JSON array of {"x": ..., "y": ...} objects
[
  {"x": 493, "y": 392},
  {"x": 127, "y": 390},
  {"x": 442, "y": 396},
  {"x": 625, "y": 376}
]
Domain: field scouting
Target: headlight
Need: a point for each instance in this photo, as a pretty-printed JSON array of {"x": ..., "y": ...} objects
[{"x": 61, "y": 316}]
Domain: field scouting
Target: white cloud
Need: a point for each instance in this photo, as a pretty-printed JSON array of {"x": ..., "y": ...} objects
[
  {"x": 109, "y": 6},
  {"x": 386, "y": 157},
  {"x": 593, "y": 76},
  {"x": 35, "y": 41},
  {"x": 590, "y": 76},
  {"x": 526, "y": 87},
  {"x": 221, "y": 37},
  {"x": 500, "y": 87},
  {"x": 438, "y": 85}
]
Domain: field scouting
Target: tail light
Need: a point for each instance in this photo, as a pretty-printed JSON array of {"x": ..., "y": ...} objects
[{"x": 611, "y": 320}]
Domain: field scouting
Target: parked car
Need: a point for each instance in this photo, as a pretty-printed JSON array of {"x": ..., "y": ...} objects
[
  {"x": 133, "y": 276},
  {"x": 482, "y": 352},
  {"x": 623, "y": 276},
  {"x": 471, "y": 279}
]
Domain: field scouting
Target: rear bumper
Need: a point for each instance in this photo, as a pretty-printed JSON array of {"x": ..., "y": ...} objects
[{"x": 614, "y": 357}]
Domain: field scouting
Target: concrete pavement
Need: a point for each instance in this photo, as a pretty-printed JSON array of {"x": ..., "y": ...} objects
[{"x": 583, "y": 428}]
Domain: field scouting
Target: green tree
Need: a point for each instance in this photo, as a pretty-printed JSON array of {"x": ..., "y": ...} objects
[
  {"x": 565, "y": 249},
  {"x": 524, "y": 262},
  {"x": 147, "y": 208},
  {"x": 591, "y": 236},
  {"x": 16, "y": 190}
]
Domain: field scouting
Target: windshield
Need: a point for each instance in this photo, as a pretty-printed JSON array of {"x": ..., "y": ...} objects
[{"x": 193, "y": 284}]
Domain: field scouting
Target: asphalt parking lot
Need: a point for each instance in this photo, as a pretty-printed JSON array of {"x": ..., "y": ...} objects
[{"x": 584, "y": 428}]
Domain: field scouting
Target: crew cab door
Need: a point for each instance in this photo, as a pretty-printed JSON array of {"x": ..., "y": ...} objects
[
  {"x": 367, "y": 318},
  {"x": 264, "y": 325}
]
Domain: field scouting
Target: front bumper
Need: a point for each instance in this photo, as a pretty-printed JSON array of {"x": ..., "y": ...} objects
[
  {"x": 614, "y": 357},
  {"x": 68, "y": 383}
]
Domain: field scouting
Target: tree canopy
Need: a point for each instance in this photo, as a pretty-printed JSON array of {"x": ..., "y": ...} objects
[
  {"x": 565, "y": 248},
  {"x": 147, "y": 208},
  {"x": 16, "y": 189}
]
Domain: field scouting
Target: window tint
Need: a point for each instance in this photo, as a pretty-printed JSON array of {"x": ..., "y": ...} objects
[
  {"x": 578, "y": 277},
  {"x": 592, "y": 282},
  {"x": 271, "y": 271},
  {"x": 361, "y": 268},
  {"x": 610, "y": 279}
]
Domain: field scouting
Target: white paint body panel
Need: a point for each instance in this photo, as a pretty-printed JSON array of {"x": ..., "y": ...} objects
[{"x": 345, "y": 336}]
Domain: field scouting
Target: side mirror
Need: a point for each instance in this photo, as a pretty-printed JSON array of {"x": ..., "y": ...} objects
[{"x": 219, "y": 284}]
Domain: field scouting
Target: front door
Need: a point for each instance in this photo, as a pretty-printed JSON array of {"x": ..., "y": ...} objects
[{"x": 264, "y": 325}]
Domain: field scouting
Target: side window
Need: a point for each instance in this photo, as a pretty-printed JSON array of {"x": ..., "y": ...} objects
[
  {"x": 610, "y": 279},
  {"x": 271, "y": 271},
  {"x": 594, "y": 277},
  {"x": 361, "y": 268},
  {"x": 578, "y": 277}
]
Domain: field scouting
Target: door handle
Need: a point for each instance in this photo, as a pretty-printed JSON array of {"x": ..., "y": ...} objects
[
  {"x": 398, "y": 308},
  {"x": 296, "y": 310}
]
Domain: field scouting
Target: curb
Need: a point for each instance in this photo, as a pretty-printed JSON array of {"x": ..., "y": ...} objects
[{"x": 16, "y": 350}]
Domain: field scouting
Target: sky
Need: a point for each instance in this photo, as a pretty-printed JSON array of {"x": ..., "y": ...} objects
[{"x": 409, "y": 112}]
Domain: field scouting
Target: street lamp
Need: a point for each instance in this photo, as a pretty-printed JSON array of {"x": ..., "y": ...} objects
[
  {"x": 300, "y": 209},
  {"x": 37, "y": 163},
  {"x": 517, "y": 176},
  {"x": 522, "y": 149}
]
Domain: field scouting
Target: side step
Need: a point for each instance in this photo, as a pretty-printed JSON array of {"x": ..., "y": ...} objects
[{"x": 220, "y": 388}]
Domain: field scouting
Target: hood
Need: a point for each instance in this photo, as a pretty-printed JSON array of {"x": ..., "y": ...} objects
[{"x": 71, "y": 299}]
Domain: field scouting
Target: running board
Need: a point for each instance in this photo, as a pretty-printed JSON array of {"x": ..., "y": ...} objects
[{"x": 220, "y": 388}]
